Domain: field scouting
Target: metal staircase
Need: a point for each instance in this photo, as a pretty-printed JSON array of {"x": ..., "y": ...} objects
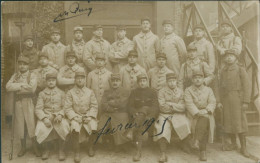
[{"x": 237, "y": 14}]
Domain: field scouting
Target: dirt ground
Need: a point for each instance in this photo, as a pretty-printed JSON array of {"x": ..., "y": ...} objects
[{"x": 150, "y": 154}]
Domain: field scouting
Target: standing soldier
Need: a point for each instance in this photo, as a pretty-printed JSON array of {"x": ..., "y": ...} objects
[
  {"x": 96, "y": 45},
  {"x": 201, "y": 103},
  {"x": 130, "y": 71},
  {"x": 55, "y": 50},
  {"x": 142, "y": 106},
  {"x": 205, "y": 48},
  {"x": 194, "y": 64},
  {"x": 157, "y": 75},
  {"x": 228, "y": 40},
  {"x": 77, "y": 45},
  {"x": 66, "y": 75},
  {"x": 172, "y": 116},
  {"x": 173, "y": 46},
  {"x": 113, "y": 105},
  {"x": 120, "y": 49},
  {"x": 41, "y": 72},
  {"x": 98, "y": 79},
  {"x": 81, "y": 108},
  {"x": 30, "y": 52},
  {"x": 235, "y": 97},
  {"x": 51, "y": 123},
  {"x": 24, "y": 84},
  {"x": 147, "y": 45}
]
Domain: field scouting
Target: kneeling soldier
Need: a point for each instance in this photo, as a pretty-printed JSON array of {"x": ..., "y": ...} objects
[
  {"x": 201, "y": 103},
  {"x": 113, "y": 104},
  {"x": 171, "y": 117},
  {"x": 143, "y": 106},
  {"x": 81, "y": 108},
  {"x": 24, "y": 84},
  {"x": 51, "y": 123}
]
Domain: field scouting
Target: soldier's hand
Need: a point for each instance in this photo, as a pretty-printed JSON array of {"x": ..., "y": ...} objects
[
  {"x": 220, "y": 106},
  {"x": 202, "y": 112},
  {"x": 47, "y": 122},
  {"x": 86, "y": 119},
  {"x": 244, "y": 106},
  {"x": 58, "y": 118},
  {"x": 78, "y": 119}
]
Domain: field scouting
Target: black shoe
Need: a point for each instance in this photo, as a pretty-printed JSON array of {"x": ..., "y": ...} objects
[
  {"x": 203, "y": 156},
  {"x": 21, "y": 152},
  {"x": 76, "y": 157},
  {"x": 45, "y": 154},
  {"x": 91, "y": 152},
  {"x": 163, "y": 157},
  {"x": 137, "y": 156}
]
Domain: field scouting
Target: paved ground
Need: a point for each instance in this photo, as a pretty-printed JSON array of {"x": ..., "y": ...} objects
[{"x": 150, "y": 154}]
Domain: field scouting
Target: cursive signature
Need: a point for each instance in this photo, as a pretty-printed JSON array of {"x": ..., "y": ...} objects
[{"x": 74, "y": 11}]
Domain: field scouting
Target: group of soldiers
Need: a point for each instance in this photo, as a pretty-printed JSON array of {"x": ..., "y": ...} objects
[{"x": 85, "y": 89}]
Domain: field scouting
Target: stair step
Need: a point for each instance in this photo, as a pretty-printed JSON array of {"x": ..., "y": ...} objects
[{"x": 253, "y": 124}]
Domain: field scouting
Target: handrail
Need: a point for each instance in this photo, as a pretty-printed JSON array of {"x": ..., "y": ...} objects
[{"x": 238, "y": 33}]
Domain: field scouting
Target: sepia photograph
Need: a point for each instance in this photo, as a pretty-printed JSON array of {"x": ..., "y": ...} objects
[{"x": 130, "y": 81}]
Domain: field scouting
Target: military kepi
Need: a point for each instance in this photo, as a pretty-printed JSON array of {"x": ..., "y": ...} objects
[
  {"x": 191, "y": 47},
  {"x": 167, "y": 22},
  {"x": 51, "y": 75},
  {"x": 141, "y": 76},
  {"x": 43, "y": 54},
  {"x": 115, "y": 76},
  {"x": 133, "y": 53},
  {"x": 171, "y": 76},
  {"x": 23, "y": 59},
  {"x": 161, "y": 55},
  {"x": 80, "y": 73},
  {"x": 197, "y": 73}
]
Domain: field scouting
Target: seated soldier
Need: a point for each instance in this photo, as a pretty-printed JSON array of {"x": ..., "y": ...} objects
[
  {"x": 201, "y": 103},
  {"x": 193, "y": 64},
  {"x": 51, "y": 123},
  {"x": 113, "y": 105},
  {"x": 66, "y": 75},
  {"x": 81, "y": 108},
  {"x": 130, "y": 71},
  {"x": 41, "y": 72},
  {"x": 142, "y": 106},
  {"x": 172, "y": 117},
  {"x": 157, "y": 75}
]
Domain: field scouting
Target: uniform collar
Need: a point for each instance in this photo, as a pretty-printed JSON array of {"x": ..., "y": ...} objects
[
  {"x": 169, "y": 36},
  {"x": 102, "y": 70},
  {"x": 79, "y": 90},
  {"x": 29, "y": 51},
  {"x": 58, "y": 45},
  {"x": 78, "y": 43},
  {"x": 231, "y": 67},
  {"x": 129, "y": 68},
  {"x": 199, "y": 41},
  {"x": 231, "y": 35},
  {"x": 148, "y": 34},
  {"x": 73, "y": 68},
  {"x": 161, "y": 70},
  {"x": 49, "y": 91},
  {"x": 124, "y": 41},
  {"x": 23, "y": 75},
  {"x": 169, "y": 90},
  {"x": 98, "y": 39},
  {"x": 194, "y": 88}
]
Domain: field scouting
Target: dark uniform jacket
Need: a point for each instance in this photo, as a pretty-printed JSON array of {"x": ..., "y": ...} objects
[{"x": 143, "y": 100}]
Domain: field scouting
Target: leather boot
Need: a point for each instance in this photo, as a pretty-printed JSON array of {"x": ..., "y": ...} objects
[
  {"x": 234, "y": 142},
  {"x": 203, "y": 156},
  {"x": 244, "y": 151},
  {"x": 138, "y": 154},
  {"x": 35, "y": 147},
  {"x": 45, "y": 153},
  {"x": 23, "y": 148},
  {"x": 163, "y": 157},
  {"x": 77, "y": 150},
  {"x": 91, "y": 151},
  {"x": 195, "y": 145},
  {"x": 61, "y": 150}
]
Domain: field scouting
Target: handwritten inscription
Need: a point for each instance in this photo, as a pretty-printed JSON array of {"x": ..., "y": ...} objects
[{"x": 74, "y": 11}]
